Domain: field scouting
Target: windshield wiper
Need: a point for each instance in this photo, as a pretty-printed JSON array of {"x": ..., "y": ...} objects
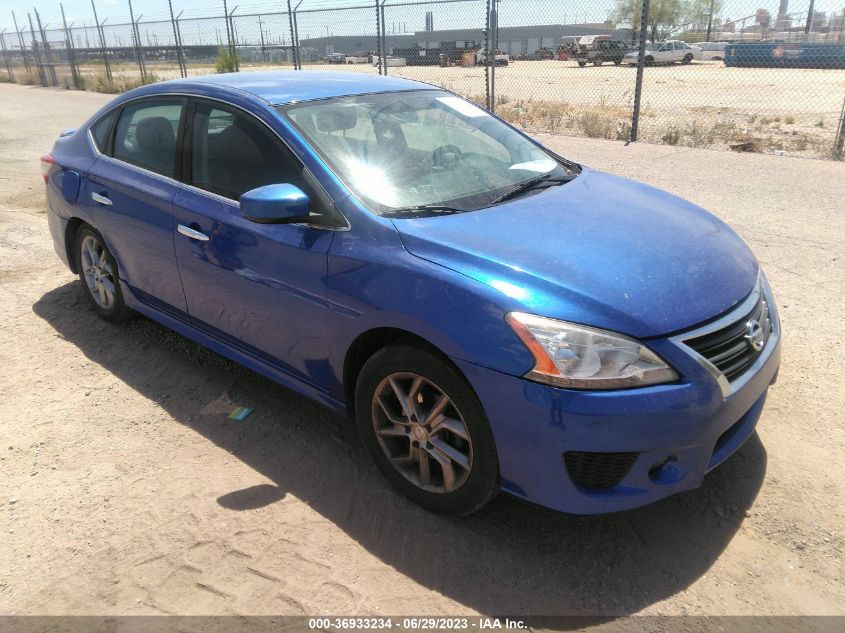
[
  {"x": 422, "y": 209},
  {"x": 545, "y": 179}
]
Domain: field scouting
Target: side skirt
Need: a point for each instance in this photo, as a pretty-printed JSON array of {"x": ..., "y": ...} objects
[{"x": 180, "y": 323}]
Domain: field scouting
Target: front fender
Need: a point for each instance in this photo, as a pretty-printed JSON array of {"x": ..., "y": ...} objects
[{"x": 373, "y": 282}]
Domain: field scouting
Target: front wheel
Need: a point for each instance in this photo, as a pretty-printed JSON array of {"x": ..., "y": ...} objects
[
  {"x": 582, "y": 63},
  {"x": 426, "y": 430},
  {"x": 98, "y": 274}
]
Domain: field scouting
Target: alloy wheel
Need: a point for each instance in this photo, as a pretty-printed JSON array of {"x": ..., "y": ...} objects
[
  {"x": 98, "y": 272},
  {"x": 421, "y": 432}
]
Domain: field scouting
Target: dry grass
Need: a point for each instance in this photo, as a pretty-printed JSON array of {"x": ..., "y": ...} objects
[
  {"x": 599, "y": 121},
  {"x": 716, "y": 128}
]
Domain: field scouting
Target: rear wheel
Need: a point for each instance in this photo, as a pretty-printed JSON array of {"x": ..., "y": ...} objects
[
  {"x": 98, "y": 274},
  {"x": 687, "y": 58},
  {"x": 582, "y": 63},
  {"x": 426, "y": 430},
  {"x": 649, "y": 60}
]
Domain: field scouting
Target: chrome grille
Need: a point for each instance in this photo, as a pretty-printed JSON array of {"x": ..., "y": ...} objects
[{"x": 733, "y": 348}]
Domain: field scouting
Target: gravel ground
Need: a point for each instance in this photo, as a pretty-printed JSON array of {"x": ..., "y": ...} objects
[{"x": 125, "y": 489}]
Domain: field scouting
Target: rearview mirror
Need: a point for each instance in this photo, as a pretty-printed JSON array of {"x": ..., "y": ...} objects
[{"x": 276, "y": 204}]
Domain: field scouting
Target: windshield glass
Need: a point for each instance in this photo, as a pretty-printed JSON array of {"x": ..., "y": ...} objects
[{"x": 424, "y": 148}]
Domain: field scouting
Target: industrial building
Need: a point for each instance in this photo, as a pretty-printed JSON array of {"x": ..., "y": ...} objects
[{"x": 516, "y": 40}]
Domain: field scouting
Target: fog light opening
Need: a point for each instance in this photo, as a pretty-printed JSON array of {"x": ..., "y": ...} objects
[{"x": 654, "y": 473}]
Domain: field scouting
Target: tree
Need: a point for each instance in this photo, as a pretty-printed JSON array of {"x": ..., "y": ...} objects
[{"x": 665, "y": 16}]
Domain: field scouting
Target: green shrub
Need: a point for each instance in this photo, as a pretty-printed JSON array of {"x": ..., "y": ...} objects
[{"x": 227, "y": 61}]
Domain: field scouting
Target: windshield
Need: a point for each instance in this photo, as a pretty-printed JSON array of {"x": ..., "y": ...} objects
[{"x": 425, "y": 148}]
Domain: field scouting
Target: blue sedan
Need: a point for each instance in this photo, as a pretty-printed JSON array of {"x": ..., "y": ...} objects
[{"x": 492, "y": 315}]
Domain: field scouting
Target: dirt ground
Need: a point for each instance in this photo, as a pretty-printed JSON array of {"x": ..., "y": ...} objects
[{"x": 126, "y": 490}]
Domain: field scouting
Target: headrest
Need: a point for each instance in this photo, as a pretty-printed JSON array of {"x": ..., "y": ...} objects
[
  {"x": 238, "y": 146},
  {"x": 335, "y": 120},
  {"x": 155, "y": 132}
]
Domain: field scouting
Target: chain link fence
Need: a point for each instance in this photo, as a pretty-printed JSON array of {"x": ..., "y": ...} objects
[{"x": 721, "y": 74}]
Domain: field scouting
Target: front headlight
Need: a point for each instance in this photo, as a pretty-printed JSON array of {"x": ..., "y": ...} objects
[{"x": 580, "y": 357}]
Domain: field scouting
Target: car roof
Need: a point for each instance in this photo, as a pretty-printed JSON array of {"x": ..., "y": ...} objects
[{"x": 281, "y": 87}]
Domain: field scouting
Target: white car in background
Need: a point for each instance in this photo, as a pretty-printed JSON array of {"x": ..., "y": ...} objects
[
  {"x": 712, "y": 51},
  {"x": 667, "y": 52}
]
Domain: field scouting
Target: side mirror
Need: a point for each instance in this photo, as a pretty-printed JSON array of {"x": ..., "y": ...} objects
[{"x": 276, "y": 204}]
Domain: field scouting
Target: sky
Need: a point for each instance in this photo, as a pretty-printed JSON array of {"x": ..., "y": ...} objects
[{"x": 453, "y": 15}]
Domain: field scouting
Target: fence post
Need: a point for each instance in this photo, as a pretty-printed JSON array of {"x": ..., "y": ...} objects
[
  {"x": 296, "y": 36},
  {"x": 21, "y": 44},
  {"x": 494, "y": 46},
  {"x": 487, "y": 55},
  {"x": 48, "y": 55},
  {"x": 102, "y": 42},
  {"x": 228, "y": 29},
  {"x": 638, "y": 90},
  {"x": 6, "y": 57},
  {"x": 38, "y": 65},
  {"x": 378, "y": 36},
  {"x": 136, "y": 41},
  {"x": 176, "y": 40},
  {"x": 234, "y": 39},
  {"x": 383, "y": 37},
  {"x": 179, "y": 44},
  {"x": 71, "y": 54},
  {"x": 839, "y": 145},
  {"x": 292, "y": 38}
]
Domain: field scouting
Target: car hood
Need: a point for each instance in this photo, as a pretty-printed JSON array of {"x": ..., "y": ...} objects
[{"x": 600, "y": 250}]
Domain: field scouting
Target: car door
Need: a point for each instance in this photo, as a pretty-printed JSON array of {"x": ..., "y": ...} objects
[
  {"x": 677, "y": 51},
  {"x": 129, "y": 193},
  {"x": 258, "y": 287}
]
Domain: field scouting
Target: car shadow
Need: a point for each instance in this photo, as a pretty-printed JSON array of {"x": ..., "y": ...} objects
[{"x": 511, "y": 558}]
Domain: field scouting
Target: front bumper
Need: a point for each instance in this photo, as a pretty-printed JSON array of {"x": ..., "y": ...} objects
[{"x": 677, "y": 433}]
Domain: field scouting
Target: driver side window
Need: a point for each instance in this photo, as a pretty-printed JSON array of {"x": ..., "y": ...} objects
[{"x": 232, "y": 153}]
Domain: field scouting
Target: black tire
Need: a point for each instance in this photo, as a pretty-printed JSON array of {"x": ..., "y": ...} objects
[
  {"x": 582, "y": 63},
  {"x": 687, "y": 58},
  {"x": 481, "y": 483},
  {"x": 616, "y": 62},
  {"x": 649, "y": 61},
  {"x": 116, "y": 310}
]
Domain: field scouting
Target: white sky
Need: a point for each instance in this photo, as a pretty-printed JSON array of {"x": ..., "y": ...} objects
[{"x": 459, "y": 15}]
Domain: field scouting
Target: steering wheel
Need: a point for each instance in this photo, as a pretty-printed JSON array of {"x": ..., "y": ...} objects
[{"x": 446, "y": 157}]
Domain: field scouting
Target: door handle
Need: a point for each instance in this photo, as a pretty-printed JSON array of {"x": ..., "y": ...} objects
[
  {"x": 100, "y": 199},
  {"x": 189, "y": 232}
]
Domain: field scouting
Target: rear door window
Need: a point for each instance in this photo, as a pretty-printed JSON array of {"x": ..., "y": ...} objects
[{"x": 146, "y": 134}]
